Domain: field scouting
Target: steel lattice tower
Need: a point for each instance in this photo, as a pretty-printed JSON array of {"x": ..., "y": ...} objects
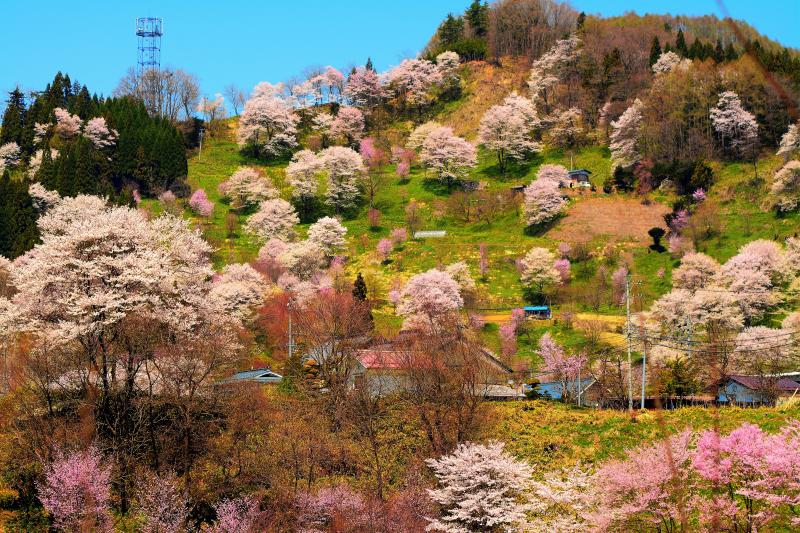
[{"x": 149, "y": 30}]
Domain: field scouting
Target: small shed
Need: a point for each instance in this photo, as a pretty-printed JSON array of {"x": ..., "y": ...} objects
[
  {"x": 539, "y": 312},
  {"x": 517, "y": 189},
  {"x": 580, "y": 176},
  {"x": 264, "y": 376},
  {"x": 553, "y": 390},
  {"x": 470, "y": 185},
  {"x": 428, "y": 234}
]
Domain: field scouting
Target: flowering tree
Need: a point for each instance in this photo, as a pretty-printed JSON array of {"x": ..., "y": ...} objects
[
  {"x": 275, "y": 218},
  {"x": 696, "y": 271},
  {"x": 548, "y": 70},
  {"x": 75, "y": 491},
  {"x": 344, "y": 169},
  {"x": 543, "y": 202},
  {"x": 384, "y": 248},
  {"x": 430, "y": 296},
  {"x": 481, "y": 488},
  {"x": 747, "y": 478},
  {"x": 507, "y": 129},
  {"x": 537, "y": 270},
  {"x": 364, "y": 88},
  {"x": 329, "y": 234},
  {"x": 212, "y": 110},
  {"x": 448, "y": 63},
  {"x": 349, "y": 125},
  {"x": 417, "y": 137},
  {"x": 268, "y": 122},
  {"x": 555, "y": 361},
  {"x": 790, "y": 142},
  {"x": 413, "y": 80},
  {"x": 736, "y": 127},
  {"x": 331, "y": 506},
  {"x": 561, "y": 501},
  {"x": 67, "y": 125},
  {"x": 450, "y": 156},
  {"x": 161, "y": 504},
  {"x": 247, "y": 187},
  {"x": 563, "y": 267},
  {"x": 666, "y": 62},
  {"x": 303, "y": 259},
  {"x": 568, "y": 131},
  {"x": 9, "y": 155},
  {"x": 200, "y": 203},
  {"x": 238, "y": 515},
  {"x": 237, "y": 291},
  {"x": 35, "y": 162},
  {"x": 98, "y": 132},
  {"x": 460, "y": 273},
  {"x": 555, "y": 173},
  {"x": 785, "y": 187},
  {"x": 399, "y": 236},
  {"x": 43, "y": 199},
  {"x": 647, "y": 489},
  {"x": 625, "y": 135},
  {"x": 717, "y": 311},
  {"x": 302, "y": 173}
]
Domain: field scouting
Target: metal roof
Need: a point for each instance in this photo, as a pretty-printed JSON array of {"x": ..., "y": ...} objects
[
  {"x": 535, "y": 308},
  {"x": 261, "y": 375}
]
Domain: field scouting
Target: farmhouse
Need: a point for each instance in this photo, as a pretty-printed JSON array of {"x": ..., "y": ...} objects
[
  {"x": 264, "y": 376},
  {"x": 385, "y": 369},
  {"x": 553, "y": 390},
  {"x": 579, "y": 178},
  {"x": 757, "y": 390}
]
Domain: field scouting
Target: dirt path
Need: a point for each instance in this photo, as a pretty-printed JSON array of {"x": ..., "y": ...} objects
[{"x": 621, "y": 219}]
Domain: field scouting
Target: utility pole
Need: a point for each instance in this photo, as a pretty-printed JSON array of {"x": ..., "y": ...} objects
[
  {"x": 201, "y": 134},
  {"x": 291, "y": 337},
  {"x": 579, "y": 386},
  {"x": 628, "y": 334},
  {"x": 644, "y": 368}
]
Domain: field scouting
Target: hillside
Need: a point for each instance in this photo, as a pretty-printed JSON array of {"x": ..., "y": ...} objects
[{"x": 339, "y": 309}]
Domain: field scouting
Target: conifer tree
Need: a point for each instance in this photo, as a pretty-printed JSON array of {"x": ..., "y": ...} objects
[
  {"x": 680, "y": 45},
  {"x": 13, "y": 118},
  {"x": 360, "y": 288},
  {"x": 655, "y": 51},
  {"x": 477, "y": 15}
]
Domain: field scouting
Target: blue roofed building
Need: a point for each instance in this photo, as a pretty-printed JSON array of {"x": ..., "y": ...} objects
[
  {"x": 264, "y": 376},
  {"x": 539, "y": 312}
]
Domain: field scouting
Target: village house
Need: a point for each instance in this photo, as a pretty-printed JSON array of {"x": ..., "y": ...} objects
[{"x": 757, "y": 390}]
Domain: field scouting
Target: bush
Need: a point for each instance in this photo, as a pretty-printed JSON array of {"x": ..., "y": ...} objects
[{"x": 180, "y": 189}]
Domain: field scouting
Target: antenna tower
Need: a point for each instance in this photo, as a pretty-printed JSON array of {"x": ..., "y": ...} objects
[{"x": 149, "y": 31}]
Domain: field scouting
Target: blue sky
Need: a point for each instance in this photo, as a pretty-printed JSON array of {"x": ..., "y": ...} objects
[{"x": 244, "y": 42}]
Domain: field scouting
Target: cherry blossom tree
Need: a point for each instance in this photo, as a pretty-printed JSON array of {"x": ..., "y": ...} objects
[
  {"x": 747, "y": 479},
  {"x": 332, "y": 505},
  {"x": 43, "y": 199},
  {"x": 247, "y": 187},
  {"x": 303, "y": 259},
  {"x": 448, "y": 63},
  {"x": 562, "y": 367},
  {"x": 349, "y": 125},
  {"x": 625, "y": 135},
  {"x": 696, "y": 271},
  {"x": 568, "y": 130},
  {"x": 334, "y": 81},
  {"x": 384, "y": 248},
  {"x": 413, "y": 80},
  {"x": 555, "y": 173},
  {"x": 666, "y": 62},
  {"x": 76, "y": 491},
  {"x": 537, "y": 270},
  {"x": 417, "y": 137},
  {"x": 736, "y": 127},
  {"x": 548, "y": 70},
  {"x": 399, "y": 236},
  {"x": 481, "y": 488},
  {"x": 507, "y": 129},
  {"x": 35, "y": 162},
  {"x": 543, "y": 202},
  {"x": 9, "y": 155},
  {"x": 762, "y": 256},
  {"x": 329, "y": 234},
  {"x": 785, "y": 187},
  {"x": 200, "y": 203},
  {"x": 275, "y": 218},
  {"x": 790, "y": 142},
  {"x": 460, "y": 273},
  {"x": 268, "y": 122},
  {"x": 68, "y": 125},
  {"x": 344, "y": 169},
  {"x": 302, "y": 173},
  {"x": 430, "y": 296},
  {"x": 237, "y": 291},
  {"x": 364, "y": 88},
  {"x": 98, "y": 132},
  {"x": 449, "y": 156},
  {"x": 161, "y": 504},
  {"x": 212, "y": 110},
  {"x": 647, "y": 489},
  {"x": 563, "y": 267},
  {"x": 237, "y": 515},
  {"x": 561, "y": 501},
  {"x": 716, "y": 311}
]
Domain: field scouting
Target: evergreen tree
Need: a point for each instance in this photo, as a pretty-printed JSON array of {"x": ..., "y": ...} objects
[
  {"x": 655, "y": 51},
  {"x": 730, "y": 53},
  {"x": 581, "y": 20},
  {"x": 680, "y": 45},
  {"x": 13, "y": 118},
  {"x": 18, "y": 230},
  {"x": 477, "y": 15},
  {"x": 451, "y": 30},
  {"x": 696, "y": 50},
  {"x": 369, "y": 66},
  {"x": 360, "y": 288},
  {"x": 719, "y": 52}
]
